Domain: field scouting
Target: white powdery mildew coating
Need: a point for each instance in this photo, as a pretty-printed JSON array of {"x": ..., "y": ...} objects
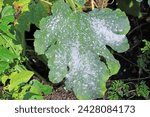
[
  {"x": 60, "y": 58},
  {"x": 103, "y": 31},
  {"x": 82, "y": 74},
  {"x": 50, "y": 29},
  {"x": 54, "y": 22},
  {"x": 75, "y": 59},
  {"x": 59, "y": 64}
]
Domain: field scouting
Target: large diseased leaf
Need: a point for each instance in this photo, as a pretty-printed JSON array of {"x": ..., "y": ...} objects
[{"x": 75, "y": 45}]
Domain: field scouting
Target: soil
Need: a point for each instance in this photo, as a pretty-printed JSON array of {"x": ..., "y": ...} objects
[{"x": 61, "y": 94}]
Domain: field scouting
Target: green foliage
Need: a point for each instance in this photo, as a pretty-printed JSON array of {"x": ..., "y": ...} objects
[
  {"x": 142, "y": 0},
  {"x": 78, "y": 41},
  {"x": 9, "y": 50},
  {"x": 6, "y": 57},
  {"x": 76, "y": 5},
  {"x": 24, "y": 90},
  {"x": 118, "y": 90},
  {"x": 16, "y": 79},
  {"x": 144, "y": 58},
  {"x": 1, "y": 4},
  {"x": 23, "y": 4},
  {"x": 146, "y": 48},
  {"x": 131, "y": 7},
  {"x": 142, "y": 90},
  {"x": 38, "y": 10}
]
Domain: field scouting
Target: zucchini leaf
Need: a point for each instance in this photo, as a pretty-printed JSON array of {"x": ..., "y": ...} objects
[{"x": 75, "y": 46}]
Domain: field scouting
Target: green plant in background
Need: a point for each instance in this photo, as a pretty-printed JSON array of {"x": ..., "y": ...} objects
[
  {"x": 144, "y": 58},
  {"x": 142, "y": 90},
  {"x": 10, "y": 49},
  {"x": 14, "y": 76},
  {"x": 142, "y": 0},
  {"x": 118, "y": 90},
  {"x": 75, "y": 43},
  {"x": 146, "y": 48},
  {"x": 21, "y": 87},
  {"x": 131, "y": 7}
]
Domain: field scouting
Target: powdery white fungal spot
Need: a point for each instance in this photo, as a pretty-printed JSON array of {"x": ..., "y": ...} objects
[
  {"x": 54, "y": 22},
  {"x": 83, "y": 71},
  {"x": 105, "y": 33}
]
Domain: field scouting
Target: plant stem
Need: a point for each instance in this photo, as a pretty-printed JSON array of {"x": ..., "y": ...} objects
[
  {"x": 72, "y": 4},
  {"x": 131, "y": 79},
  {"x": 127, "y": 60},
  {"x": 47, "y": 2}
]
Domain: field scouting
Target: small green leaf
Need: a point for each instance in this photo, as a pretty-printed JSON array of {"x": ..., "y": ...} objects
[
  {"x": 3, "y": 66},
  {"x": 143, "y": 90},
  {"x": 118, "y": 90},
  {"x": 37, "y": 12},
  {"x": 22, "y": 3},
  {"x": 6, "y": 55},
  {"x": 39, "y": 88},
  {"x": 32, "y": 96},
  {"x": 4, "y": 79},
  {"x": 20, "y": 91},
  {"x": 1, "y": 4},
  {"x": 131, "y": 7},
  {"x": 7, "y": 16},
  {"x": 19, "y": 78},
  {"x": 7, "y": 11}
]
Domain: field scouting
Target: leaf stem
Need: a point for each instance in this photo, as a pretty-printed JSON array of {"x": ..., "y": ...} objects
[
  {"x": 72, "y": 4},
  {"x": 127, "y": 59},
  {"x": 47, "y": 2}
]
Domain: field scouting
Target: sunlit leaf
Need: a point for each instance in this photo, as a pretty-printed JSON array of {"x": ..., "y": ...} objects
[
  {"x": 6, "y": 55},
  {"x": 39, "y": 88},
  {"x": 1, "y": 4},
  {"x": 22, "y": 5},
  {"x": 3, "y": 66},
  {"x": 19, "y": 78}
]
